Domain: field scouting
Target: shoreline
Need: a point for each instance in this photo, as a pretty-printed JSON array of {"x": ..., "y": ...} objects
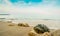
[{"x": 51, "y": 24}]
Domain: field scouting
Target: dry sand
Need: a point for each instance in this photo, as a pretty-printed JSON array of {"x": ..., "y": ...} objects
[{"x": 6, "y": 30}]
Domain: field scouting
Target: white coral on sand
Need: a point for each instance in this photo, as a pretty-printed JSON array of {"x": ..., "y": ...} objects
[
  {"x": 11, "y": 25},
  {"x": 32, "y": 33},
  {"x": 23, "y": 24},
  {"x": 46, "y": 34}
]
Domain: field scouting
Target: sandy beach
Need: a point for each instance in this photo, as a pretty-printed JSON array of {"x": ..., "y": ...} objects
[{"x": 15, "y": 30}]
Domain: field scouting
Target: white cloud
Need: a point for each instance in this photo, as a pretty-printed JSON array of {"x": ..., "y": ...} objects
[{"x": 39, "y": 10}]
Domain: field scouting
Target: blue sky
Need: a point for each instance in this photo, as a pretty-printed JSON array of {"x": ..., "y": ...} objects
[
  {"x": 32, "y": 9},
  {"x": 26, "y": 1}
]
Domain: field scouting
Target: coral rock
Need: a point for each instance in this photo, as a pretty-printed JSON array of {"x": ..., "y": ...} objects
[
  {"x": 23, "y": 24},
  {"x": 41, "y": 28}
]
